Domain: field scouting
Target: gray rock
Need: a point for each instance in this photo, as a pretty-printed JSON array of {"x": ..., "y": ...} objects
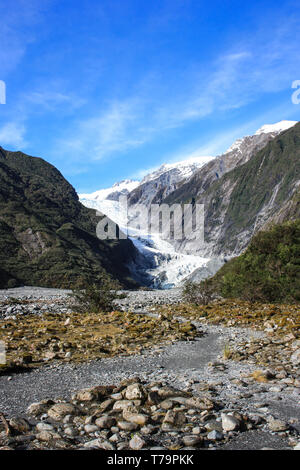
[
  {"x": 192, "y": 441},
  {"x": 136, "y": 443},
  {"x": 89, "y": 428},
  {"x": 215, "y": 436},
  {"x": 126, "y": 426},
  {"x": 105, "y": 422},
  {"x": 229, "y": 423},
  {"x": 60, "y": 410},
  {"x": 277, "y": 425}
]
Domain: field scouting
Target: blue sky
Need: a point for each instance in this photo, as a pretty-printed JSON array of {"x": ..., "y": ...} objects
[{"x": 106, "y": 89}]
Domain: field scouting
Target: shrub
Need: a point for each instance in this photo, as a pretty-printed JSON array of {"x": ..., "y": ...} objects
[
  {"x": 198, "y": 293},
  {"x": 96, "y": 297}
]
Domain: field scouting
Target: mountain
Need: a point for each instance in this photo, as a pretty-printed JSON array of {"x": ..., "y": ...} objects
[
  {"x": 158, "y": 184},
  {"x": 247, "y": 198},
  {"x": 47, "y": 237},
  {"x": 152, "y": 188},
  {"x": 167, "y": 263},
  {"x": 158, "y": 265},
  {"x": 240, "y": 152}
]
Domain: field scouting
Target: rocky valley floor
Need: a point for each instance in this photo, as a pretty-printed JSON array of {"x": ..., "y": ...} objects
[{"x": 200, "y": 382}]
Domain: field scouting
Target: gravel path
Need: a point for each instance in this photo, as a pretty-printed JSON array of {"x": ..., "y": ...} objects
[{"x": 183, "y": 365}]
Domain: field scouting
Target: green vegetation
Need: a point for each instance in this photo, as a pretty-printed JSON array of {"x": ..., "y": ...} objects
[
  {"x": 198, "y": 293},
  {"x": 47, "y": 237},
  {"x": 94, "y": 298},
  {"x": 268, "y": 271}
]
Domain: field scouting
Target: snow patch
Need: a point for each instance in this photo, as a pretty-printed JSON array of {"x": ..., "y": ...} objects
[{"x": 277, "y": 127}]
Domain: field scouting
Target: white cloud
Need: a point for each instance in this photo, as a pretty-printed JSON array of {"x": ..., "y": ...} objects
[
  {"x": 13, "y": 133},
  {"x": 114, "y": 130},
  {"x": 265, "y": 63}
]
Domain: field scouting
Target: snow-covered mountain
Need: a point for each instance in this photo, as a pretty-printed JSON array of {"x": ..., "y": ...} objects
[
  {"x": 182, "y": 169},
  {"x": 158, "y": 184},
  {"x": 276, "y": 128},
  {"x": 159, "y": 264},
  {"x": 162, "y": 263},
  {"x": 121, "y": 188},
  {"x": 243, "y": 190}
]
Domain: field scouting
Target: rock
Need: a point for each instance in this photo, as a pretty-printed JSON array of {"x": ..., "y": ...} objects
[
  {"x": 60, "y": 410},
  {"x": 36, "y": 409},
  {"x": 147, "y": 430},
  {"x": 229, "y": 423},
  {"x": 297, "y": 446},
  {"x": 202, "y": 403},
  {"x": 135, "y": 392},
  {"x": 215, "y": 436},
  {"x": 277, "y": 425},
  {"x": 115, "y": 437},
  {"x": 137, "y": 418},
  {"x": 136, "y": 443},
  {"x": 71, "y": 432},
  {"x": 89, "y": 428},
  {"x": 94, "y": 393},
  {"x": 44, "y": 427},
  {"x": 214, "y": 425},
  {"x": 105, "y": 422},
  {"x": 167, "y": 404},
  {"x": 126, "y": 426},
  {"x": 99, "y": 444},
  {"x": 175, "y": 418},
  {"x": 295, "y": 357},
  {"x": 47, "y": 436},
  {"x": 123, "y": 404},
  {"x": 196, "y": 430},
  {"x": 106, "y": 405},
  {"x": 49, "y": 355},
  {"x": 169, "y": 392},
  {"x": 19, "y": 424},
  {"x": 192, "y": 441},
  {"x": 153, "y": 398},
  {"x": 84, "y": 395}
]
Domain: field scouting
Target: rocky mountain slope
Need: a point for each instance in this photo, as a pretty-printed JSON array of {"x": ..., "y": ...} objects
[
  {"x": 240, "y": 152},
  {"x": 47, "y": 237},
  {"x": 158, "y": 184},
  {"x": 246, "y": 198}
]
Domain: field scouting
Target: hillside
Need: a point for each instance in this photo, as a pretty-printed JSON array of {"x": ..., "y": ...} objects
[
  {"x": 47, "y": 237},
  {"x": 269, "y": 270}
]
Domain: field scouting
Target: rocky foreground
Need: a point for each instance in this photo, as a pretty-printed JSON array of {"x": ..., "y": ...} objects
[
  {"x": 223, "y": 376},
  {"x": 132, "y": 416}
]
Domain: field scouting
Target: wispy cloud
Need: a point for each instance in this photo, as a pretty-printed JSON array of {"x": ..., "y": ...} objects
[
  {"x": 13, "y": 133},
  {"x": 264, "y": 64},
  {"x": 114, "y": 130},
  {"x": 16, "y": 32}
]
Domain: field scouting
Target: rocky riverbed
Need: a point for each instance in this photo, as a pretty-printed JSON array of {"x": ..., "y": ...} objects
[{"x": 185, "y": 393}]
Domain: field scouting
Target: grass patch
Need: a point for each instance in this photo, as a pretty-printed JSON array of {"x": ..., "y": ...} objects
[{"x": 33, "y": 340}]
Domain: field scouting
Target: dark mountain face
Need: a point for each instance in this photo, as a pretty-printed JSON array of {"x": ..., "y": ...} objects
[
  {"x": 47, "y": 237},
  {"x": 244, "y": 200}
]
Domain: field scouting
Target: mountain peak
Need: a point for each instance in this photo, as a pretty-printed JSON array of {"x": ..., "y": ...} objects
[
  {"x": 184, "y": 168},
  {"x": 277, "y": 127}
]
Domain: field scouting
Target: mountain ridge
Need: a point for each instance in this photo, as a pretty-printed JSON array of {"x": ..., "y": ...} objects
[{"x": 47, "y": 237}]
